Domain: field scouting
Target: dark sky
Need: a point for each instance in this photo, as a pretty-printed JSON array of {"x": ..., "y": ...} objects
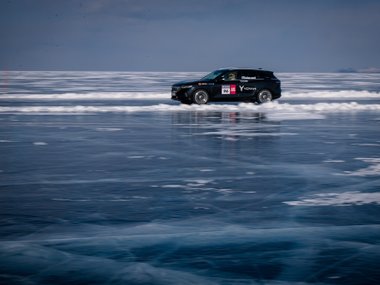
[{"x": 189, "y": 35}]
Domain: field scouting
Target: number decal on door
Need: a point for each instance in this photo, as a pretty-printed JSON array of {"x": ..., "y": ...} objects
[{"x": 229, "y": 89}]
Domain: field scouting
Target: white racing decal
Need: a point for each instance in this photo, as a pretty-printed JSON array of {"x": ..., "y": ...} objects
[
  {"x": 226, "y": 89},
  {"x": 246, "y": 88}
]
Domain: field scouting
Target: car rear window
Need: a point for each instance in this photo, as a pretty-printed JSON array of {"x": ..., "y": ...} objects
[{"x": 265, "y": 74}]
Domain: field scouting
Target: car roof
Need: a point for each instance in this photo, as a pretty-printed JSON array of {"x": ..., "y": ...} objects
[{"x": 244, "y": 69}]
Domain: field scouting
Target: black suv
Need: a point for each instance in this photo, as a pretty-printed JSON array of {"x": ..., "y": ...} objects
[{"x": 250, "y": 85}]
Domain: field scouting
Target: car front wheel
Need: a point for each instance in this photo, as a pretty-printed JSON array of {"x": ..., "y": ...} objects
[
  {"x": 200, "y": 97},
  {"x": 264, "y": 96}
]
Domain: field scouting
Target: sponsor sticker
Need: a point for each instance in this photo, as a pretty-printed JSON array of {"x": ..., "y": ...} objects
[
  {"x": 229, "y": 89},
  {"x": 246, "y": 88},
  {"x": 226, "y": 89},
  {"x": 233, "y": 89}
]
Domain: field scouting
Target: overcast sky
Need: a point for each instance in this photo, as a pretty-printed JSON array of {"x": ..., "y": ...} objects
[{"x": 189, "y": 35}]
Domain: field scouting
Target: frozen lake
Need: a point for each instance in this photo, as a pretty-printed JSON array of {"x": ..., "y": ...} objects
[{"x": 105, "y": 180}]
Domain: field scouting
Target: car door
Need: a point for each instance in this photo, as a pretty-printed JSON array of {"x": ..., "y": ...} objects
[
  {"x": 226, "y": 86},
  {"x": 247, "y": 86}
]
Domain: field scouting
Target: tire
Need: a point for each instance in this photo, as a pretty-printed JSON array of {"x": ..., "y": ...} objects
[
  {"x": 264, "y": 96},
  {"x": 200, "y": 97}
]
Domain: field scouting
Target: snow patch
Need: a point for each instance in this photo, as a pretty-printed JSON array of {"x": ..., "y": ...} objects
[
  {"x": 200, "y": 181},
  {"x": 89, "y": 96},
  {"x": 231, "y": 133},
  {"x": 206, "y": 170},
  {"x": 152, "y": 95},
  {"x": 372, "y": 170},
  {"x": 338, "y": 199},
  {"x": 40, "y": 143},
  {"x": 136, "y": 156},
  {"x": 336, "y": 95},
  {"x": 275, "y": 109},
  {"x": 109, "y": 129}
]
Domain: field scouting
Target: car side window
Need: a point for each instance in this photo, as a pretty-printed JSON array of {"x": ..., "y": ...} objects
[
  {"x": 248, "y": 75},
  {"x": 230, "y": 76}
]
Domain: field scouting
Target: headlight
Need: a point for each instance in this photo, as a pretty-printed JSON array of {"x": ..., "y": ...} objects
[{"x": 186, "y": 86}]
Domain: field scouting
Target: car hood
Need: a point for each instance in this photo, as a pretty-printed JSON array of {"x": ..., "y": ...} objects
[{"x": 190, "y": 82}]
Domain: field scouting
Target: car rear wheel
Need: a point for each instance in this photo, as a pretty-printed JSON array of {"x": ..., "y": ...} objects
[
  {"x": 200, "y": 97},
  {"x": 264, "y": 96}
]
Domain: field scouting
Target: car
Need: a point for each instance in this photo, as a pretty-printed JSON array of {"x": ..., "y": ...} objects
[{"x": 229, "y": 84}]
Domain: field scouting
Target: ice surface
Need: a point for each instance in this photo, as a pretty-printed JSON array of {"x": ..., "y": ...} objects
[{"x": 104, "y": 180}]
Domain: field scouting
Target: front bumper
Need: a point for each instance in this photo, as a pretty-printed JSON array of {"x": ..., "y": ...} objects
[
  {"x": 175, "y": 94},
  {"x": 180, "y": 94}
]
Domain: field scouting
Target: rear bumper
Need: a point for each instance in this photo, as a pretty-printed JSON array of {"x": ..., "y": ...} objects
[
  {"x": 276, "y": 95},
  {"x": 276, "y": 92}
]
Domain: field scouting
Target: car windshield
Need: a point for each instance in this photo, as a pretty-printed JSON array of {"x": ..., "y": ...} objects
[{"x": 213, "y": 75}]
